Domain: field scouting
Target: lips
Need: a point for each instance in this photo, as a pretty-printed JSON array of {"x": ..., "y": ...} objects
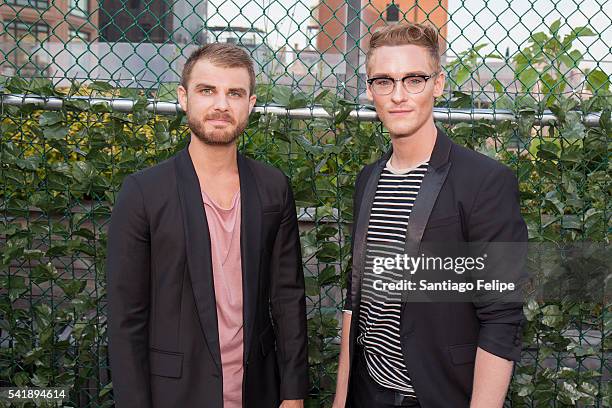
[{"x": 219, "y": 120}]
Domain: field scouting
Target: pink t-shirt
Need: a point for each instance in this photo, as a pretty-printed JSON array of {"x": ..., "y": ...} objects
[{"x": 224, "y": 229}]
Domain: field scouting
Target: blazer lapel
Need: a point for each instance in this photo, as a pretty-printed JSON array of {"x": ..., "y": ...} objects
[
  {"x": 431, "y": 185},
  {"x": 437, "y": 171},
  {"x": 199, "y": 257},
  {"x": 250, "y": 239},
  {"x": 361, "y": 229}
]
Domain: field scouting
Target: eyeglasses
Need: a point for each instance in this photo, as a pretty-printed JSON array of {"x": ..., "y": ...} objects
[{"x": 413, "y": 83}]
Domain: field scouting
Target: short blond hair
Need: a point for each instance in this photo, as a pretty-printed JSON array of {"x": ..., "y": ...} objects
[{"x": 424, "y": 35}]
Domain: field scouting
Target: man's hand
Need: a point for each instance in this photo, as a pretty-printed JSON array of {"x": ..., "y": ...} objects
[{"x": 292, "y": 404}]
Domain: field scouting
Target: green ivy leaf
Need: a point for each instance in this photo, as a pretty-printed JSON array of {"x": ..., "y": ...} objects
[
  {"x": 297, "y": 100},
  {"x": 16, "y": 286},
  {"x": 282, "y": 95},
  {"x": 462, "y": 75},
  {"x": 17, "y": 85},
  {"x": 55, "y": 132},
  {"x": 72, "y": 287},
  {"x": 328, "y": 276},
  {"x": 528, "y": 77},
  {"x": 83, "y": 171},
  {"x": 21, "y": 379},
  {"x": 312, "y": 287},
  {"x": 41, "y": 86},
  {"x": 101, "y": 86},
  {"x": 51, "y": 118},
  {"x": 328, "y": 252},
  {"x": 129, "y": 93},
  {"x": 554, "y": 27},
  {"x": 40, "y": 378},
  {"x": 552, "y": 316},
  {"x": 43, "y": 273},
  {"x": 531, "y": 310},
  {"x": 597, "y": 81},
  {"x": 324, "y": 94}
]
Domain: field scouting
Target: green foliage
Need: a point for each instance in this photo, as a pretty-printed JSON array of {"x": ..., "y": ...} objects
[
  {"x": 60, "y": 172},
  {"x": 542, "y": 70},
  {"x": 545, "y": 64}
]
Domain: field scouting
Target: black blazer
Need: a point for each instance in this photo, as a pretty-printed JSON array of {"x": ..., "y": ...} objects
[
  {"x": 464, "y": 197},
  {"x": 162, "y": 320}
]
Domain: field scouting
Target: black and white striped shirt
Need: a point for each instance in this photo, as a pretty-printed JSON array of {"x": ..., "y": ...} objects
[{"x": 379, "y": 319}]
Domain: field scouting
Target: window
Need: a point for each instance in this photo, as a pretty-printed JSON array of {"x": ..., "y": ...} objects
[
  {"x": 25, "y": 32},
  {"x": 248, "y": 41},
  {"x": 42, "y": 4},
  {"x": 22, "y": 59},
  {"x": 392, "y": 12},
  {"x": 79, "y": 7},
  {"x": 77, "y": 35}
]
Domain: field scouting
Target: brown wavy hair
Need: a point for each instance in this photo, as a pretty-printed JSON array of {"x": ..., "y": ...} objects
[{"x": 223, "y": 55}]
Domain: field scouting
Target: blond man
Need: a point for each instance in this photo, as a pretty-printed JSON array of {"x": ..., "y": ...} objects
[{"x": 425, "y": 189}]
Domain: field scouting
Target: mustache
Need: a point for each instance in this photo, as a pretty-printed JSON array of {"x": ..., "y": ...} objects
[{"x": 220, "y": 116}]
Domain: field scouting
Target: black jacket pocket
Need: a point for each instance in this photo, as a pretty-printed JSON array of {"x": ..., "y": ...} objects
[
  {"x": 273, "y": 208},
  {"x": 166, "y": 363}
]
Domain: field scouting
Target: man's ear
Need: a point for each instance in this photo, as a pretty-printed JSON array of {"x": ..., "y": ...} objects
[
  {"x": 439, "y": 84},
  {"x": 181, "y": 93},
  {"x": 252, "y": 100},
  {"x": 369, "y": 92}
]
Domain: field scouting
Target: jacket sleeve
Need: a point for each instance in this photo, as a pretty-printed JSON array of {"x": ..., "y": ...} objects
[
  {"x": 496, "y": 224},
  {"x": 288, "y": 304},
  {"x": 348, "y": 303},
  {"x": 128, "y": 270}
]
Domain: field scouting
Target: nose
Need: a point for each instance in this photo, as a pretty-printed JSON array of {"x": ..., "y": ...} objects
[
  {"x": 220, "y": 102},
  {"x": 399, "y": 94}
]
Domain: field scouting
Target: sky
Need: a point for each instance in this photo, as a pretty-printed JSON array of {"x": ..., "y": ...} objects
[
  {"x": 472, "y": 22},
  {"x": 512, "y": 22}
]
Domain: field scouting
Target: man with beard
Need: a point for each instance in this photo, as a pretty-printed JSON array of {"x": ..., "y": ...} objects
[{"x": 206, "y": 303}]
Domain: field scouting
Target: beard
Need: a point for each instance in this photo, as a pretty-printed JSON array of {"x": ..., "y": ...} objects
[{"x": 217, "y": 137}]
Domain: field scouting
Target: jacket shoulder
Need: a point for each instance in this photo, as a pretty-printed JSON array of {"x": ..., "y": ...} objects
[
  {"x": 478, "y": 164},
  {"x": 266, "y": 173},
  {"x": 152, "y": 178},
  {"x": 365, "y": 172}
]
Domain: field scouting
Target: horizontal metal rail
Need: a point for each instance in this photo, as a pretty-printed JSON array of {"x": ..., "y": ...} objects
[{"x": 450, "y": 115}]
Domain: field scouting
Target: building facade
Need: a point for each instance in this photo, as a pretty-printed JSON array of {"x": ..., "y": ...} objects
[{"x": 44, "y": 37}]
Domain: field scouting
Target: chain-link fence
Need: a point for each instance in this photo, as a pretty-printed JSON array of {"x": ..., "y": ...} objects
[
  {"x": 528, "y": 84},
  {"x": 492, "y": 50}
]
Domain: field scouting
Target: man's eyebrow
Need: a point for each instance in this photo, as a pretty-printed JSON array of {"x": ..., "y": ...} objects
[
  {"x": 416, "y": 73},
  {"x": 241, "y": 90},
  {"x": 386, "y": 75},
  {"x": 204, "y": 85}
]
